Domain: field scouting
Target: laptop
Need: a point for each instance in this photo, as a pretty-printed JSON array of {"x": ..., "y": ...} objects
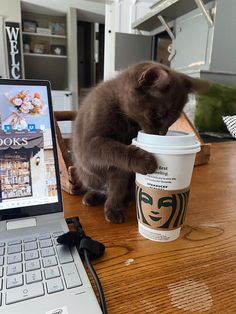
[{"x": 37, "y": 275}]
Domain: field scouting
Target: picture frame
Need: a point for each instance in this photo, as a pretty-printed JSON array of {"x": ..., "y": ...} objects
[
  {"x": 29, "y": 26},
  {"x": 40, "y": 47},
  {"x": 57, "y": 28},
  {"x": 59, "y": 50}
]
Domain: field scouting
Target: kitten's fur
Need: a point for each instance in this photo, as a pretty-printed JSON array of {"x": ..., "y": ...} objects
[{"x": 147, "y": 96}]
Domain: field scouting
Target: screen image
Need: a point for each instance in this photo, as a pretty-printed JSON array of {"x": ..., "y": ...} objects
[{"x": 27, "y": 165}]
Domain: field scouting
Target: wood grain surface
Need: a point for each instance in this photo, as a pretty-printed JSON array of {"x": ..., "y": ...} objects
[{"x": 194, "y": 274}]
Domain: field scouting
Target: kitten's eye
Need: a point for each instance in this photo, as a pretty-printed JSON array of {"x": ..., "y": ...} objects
[{"x": 166, "y": 89}]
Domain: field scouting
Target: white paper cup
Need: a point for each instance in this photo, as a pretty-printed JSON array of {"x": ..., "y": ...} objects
[{"x": 162, "y": 197}]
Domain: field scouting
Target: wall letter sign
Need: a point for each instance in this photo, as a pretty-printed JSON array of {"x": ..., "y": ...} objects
[{"x": 14, "y": 50}]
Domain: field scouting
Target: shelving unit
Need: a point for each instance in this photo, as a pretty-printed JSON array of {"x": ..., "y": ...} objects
[
  {"x": 43, "y": 35},
  {"x": 169, "y": 9},
  {"x": 42, "y": 56}
]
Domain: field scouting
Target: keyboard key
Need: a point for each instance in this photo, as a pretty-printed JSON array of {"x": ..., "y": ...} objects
[
  {"x": 32, "y": 265},
  {"x": 1, "y": 272},
  {"x": 64, "y": 254},
  {"x": 47, "y": 252},
  {"x": 57, "y": 234},
  {"x": 14, "y": 242},
  {"x": 14, "y": 249},
  {"x": 24, "y": 293},
  {"x": 71, "y": 275},
  {"x": 49, "y": 261},
  {"x": 14, "y": 281},
  {"x": 45, "y": 243},
  {"x": 1, "y": 260},
  {"x": 14, "y": 258},
  {"x": 54, "y": 285},
  {"x": 2, "y": 244},
  {"x": 31, "y": 255},
  {"x": 1, "y": 284},
  {"x": 14, "y": 269},
  {"x": 52, "y": 272},
  {"x": 55, "y": 242},
  {"x": 0, "y": 299},
  {"x": 31, "y": 246},
  {"x": 30, "y": 239},
  {"x": 2, "y": 250},
  {"x": 34, "y": 276},
  {"x": 44, "y": 236}
]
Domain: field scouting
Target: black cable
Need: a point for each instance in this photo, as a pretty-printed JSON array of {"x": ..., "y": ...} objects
[
  {"x": 97, "y": 282},
  {"x": 87, "y": 249}
]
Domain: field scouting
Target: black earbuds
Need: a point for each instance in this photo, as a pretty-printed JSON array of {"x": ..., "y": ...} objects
[
  {"x": 78, "y": 238},
  {"x": 71, "y": 238},
  {"x": 88, "y": 249}
]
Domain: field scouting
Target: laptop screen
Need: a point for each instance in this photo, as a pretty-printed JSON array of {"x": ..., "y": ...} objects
[{"x": 29, "y": 176}]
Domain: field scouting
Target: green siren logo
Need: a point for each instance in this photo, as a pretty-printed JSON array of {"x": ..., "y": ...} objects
[{"x": 161, "y": 208}]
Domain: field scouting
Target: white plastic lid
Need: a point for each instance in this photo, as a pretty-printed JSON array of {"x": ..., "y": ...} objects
[{"x": 174, "y": 142}]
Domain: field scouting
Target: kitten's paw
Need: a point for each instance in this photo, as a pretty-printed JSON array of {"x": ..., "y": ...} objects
[
  {"x": 143, "y": 162},
  {"x": 92, "y": 198},
  {"x": 76, "y": 185},
  {"x": 116, "y": 216}
]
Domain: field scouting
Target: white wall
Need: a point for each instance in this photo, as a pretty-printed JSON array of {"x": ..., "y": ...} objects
[
  {"x": 3, "y": 67},
  {"x": 64, "y": 5},
  {"x": 72, "y": 55},
  {"x": 119, "y": 17},
  {"x": 10, "y": 11}
]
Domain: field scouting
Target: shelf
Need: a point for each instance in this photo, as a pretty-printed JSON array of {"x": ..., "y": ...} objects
[
  {"x": 42, "y": 35},
  {"x": 44, "y": 55},
  {"x": 47, "y": 65},
  {"x": 14, "y": 183},
  {"x": 169, "y": 9}
]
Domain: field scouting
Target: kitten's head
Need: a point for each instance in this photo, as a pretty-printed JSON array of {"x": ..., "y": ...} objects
[{"x": 164, "y": 94}]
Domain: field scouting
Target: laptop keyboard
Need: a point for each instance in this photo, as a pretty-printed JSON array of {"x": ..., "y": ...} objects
[{"x": 35, "y": 266}]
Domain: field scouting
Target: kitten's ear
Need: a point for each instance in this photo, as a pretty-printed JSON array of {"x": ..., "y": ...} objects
[
  {"x": 196, "y": 85},
  {"x": 154, "y": 76}
]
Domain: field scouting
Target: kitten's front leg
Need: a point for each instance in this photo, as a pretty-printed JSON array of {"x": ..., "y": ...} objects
[
  {"x": 108, "y": 153},
  {"x": 118, "y": 195}
]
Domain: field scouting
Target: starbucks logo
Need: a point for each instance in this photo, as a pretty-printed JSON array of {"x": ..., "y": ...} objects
[{"x": 161, "y": 208}]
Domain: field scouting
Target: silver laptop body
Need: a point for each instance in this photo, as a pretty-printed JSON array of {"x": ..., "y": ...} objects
[{"x": 37, "y": 275}]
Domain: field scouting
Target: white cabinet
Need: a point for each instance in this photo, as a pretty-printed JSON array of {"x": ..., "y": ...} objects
[{"x": 62, "y": 100}]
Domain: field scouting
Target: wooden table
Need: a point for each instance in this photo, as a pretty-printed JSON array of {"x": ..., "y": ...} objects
[{"x": 194, "y": 274}]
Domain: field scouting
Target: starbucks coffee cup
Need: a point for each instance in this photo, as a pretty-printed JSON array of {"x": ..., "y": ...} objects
[{"x": 162, "y": 197}]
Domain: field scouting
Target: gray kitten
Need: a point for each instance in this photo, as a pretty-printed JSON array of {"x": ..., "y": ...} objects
[{"x": 147, "y": 96}]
